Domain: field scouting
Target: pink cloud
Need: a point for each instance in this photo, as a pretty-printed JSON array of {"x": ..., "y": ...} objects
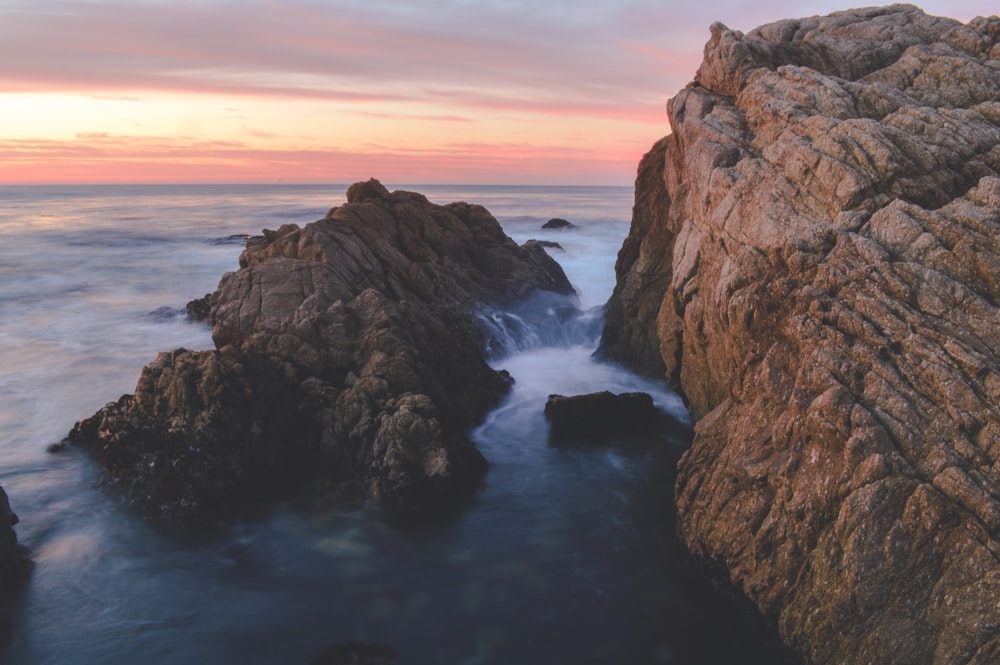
[
  {"x": 484, "y": 57},
  {"x": 131, "y": 159}
]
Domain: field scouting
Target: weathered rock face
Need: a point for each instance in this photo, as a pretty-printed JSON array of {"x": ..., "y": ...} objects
[
  {"x": 819, "y": 266},
  {"x": 346, "y": 350}
]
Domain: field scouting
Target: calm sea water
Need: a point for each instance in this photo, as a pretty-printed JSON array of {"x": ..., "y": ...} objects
[{"x": 565, "y": 556}]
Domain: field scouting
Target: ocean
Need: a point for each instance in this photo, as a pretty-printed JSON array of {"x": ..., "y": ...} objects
[{"x": 564, "y": 556}]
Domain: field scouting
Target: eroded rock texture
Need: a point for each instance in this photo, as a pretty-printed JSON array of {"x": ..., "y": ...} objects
[
  {"x": 819, "y": 267},
  {"x": 346, "y": 350}
]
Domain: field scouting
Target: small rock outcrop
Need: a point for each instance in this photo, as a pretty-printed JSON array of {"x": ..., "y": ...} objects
[
  {"x": 815, "y": 262},
  {"x": 346, "y": 351},
  {"x": 558, "y": 223},
  {"x": 598, "y": 414}
]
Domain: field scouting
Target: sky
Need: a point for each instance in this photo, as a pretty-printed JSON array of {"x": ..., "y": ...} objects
[{"x": 561, "y": 92}]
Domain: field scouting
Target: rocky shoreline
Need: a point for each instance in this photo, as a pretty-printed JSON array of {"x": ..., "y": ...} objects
[
  {"x": 814, "y": 262},
  {"x": 348, "y": 352}
]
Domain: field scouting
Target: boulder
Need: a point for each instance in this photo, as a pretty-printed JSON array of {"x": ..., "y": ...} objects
[
  {"x": 814, "y": 261},
  {"x": 558, "y": 223},
  {"x": 598, "y": 412},
  {"x": 347, "y": 351},
  {"x": 605, "y": 417}
]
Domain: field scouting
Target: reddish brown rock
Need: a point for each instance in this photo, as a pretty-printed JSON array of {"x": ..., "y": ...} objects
[
  {"x": 346, "y": 351},
  {"x": 819, "y": 265}
]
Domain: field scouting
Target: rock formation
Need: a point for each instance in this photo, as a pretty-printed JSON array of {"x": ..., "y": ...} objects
[
  {"x": 815, "y": 262},
  {"x": 558, "y": 223},
  {"x": 347, "y": 350},
  {"x": 603, "y": 416},
  {"x": 15, "y": 566}
]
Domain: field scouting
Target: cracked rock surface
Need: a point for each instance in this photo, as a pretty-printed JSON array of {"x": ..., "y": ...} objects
[{"x": 815, "y": 262}]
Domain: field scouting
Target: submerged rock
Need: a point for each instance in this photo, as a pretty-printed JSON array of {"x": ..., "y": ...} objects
[
  {"x": 346, "y": 351},
  {"x": 815, "y": 262}
]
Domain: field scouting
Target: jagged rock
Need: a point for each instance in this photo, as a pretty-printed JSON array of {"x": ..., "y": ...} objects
[
  {"x": 199, "y": 309},
  {"x": 346, "y": 350},
  {"x": 819, "y": 266},
  {"x": 558, "y": 223}
]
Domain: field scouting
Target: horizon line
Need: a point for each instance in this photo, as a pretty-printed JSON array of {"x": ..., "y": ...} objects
[{"x": 295, "y": 184}]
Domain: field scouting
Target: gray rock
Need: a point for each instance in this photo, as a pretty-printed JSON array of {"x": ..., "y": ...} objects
[
  {"x": 347, "y": 351},
  {"x": 818, "y": 271}
]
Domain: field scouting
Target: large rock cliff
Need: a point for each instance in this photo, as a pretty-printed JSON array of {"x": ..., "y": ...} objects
[
  {"x": 815, "y": 262},
  {"x": 348, "y": 350}
]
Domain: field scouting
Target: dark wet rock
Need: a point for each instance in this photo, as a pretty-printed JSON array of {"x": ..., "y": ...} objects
[
  {"x": 814, "y": 260},
  {"x": 15, "y": 562},
  {"x": 15, "y": 568},
  {"x": 347, "y": 351},
  {"x": 606, "y": 417},
  {"x": 357, "y": 653},
  {"x": 200, "y": 309},
  {"x": 545, "y": 244},
  {"x": 164, "y": 314},
  {"x": 558, "y": 223},
  {"x": 235, "y": 239},
  {"x": 602, "y": 410}
]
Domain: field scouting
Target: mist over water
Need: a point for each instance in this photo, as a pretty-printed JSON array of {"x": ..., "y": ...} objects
[{"x": 560, "y": 558}]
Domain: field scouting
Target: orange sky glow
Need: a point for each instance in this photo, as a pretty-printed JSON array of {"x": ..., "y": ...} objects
[{"x": 451, "y": 91}]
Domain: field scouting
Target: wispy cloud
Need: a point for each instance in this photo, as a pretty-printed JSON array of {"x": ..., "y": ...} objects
[{"x": 478, "y": 54}]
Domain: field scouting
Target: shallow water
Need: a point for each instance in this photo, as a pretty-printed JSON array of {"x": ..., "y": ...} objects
[{"x": 564, "y": 556}]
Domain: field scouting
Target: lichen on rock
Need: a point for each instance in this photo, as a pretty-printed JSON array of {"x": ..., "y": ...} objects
[
  {"x": 815, "y": 263},
  {"x": 347, "y": 351}
]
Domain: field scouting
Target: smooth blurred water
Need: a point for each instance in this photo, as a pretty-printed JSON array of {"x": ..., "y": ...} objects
[{"x": 564, "y": 556}]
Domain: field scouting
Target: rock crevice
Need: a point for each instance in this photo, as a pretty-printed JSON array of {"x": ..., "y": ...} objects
[{"x": 822, "y": 284}]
